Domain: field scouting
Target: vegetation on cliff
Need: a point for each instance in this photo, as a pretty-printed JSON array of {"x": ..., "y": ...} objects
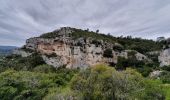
[{"x": 138, "y": 44}]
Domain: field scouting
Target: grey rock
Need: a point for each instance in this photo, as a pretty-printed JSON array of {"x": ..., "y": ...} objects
[
  {"x": 74, "y": 53},
  {"x": 155, "y": 74},
  {"x": 22, "y": 53},
  {"x": 164, "y": 57}
]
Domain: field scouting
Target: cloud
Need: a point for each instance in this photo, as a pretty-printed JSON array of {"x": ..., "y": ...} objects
[{"x": 21, "y": 19}]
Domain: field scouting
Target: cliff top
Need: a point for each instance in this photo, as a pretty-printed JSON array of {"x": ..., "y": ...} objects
[{"x": 138, "y": 44}]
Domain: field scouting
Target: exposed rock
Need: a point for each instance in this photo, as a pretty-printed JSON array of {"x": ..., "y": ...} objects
[
  {"x": 155, "y": 74},
  {"x": 138, "y": 55},
  {"x": 54, "y": 61},
  {"x": 21, "y": 52},
  {"x": 154, "y": 53},
  {"x": 164, "y": 57},
  {"x": 73, "y": 53}
]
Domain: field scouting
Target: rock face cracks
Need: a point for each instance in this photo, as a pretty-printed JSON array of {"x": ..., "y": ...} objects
[
  {"x": 164, "y": 57},
  {"x": 61, "y": 49}
]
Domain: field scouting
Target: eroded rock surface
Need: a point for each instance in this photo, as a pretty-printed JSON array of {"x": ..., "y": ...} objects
[
  {"x": 60, "y": 49},
  {"x": 164, "y": 57}
]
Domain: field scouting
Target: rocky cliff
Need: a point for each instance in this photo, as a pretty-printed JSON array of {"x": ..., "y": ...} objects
[
  {"x": 62, "y": 48},
  {"x": 164, "y": 57}
]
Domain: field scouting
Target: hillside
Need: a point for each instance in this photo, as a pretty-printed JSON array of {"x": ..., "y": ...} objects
[
  {"x": 138, "y": 44},
  {"x": 75, "y": 64},
  {"x": 76, "y": 47}
]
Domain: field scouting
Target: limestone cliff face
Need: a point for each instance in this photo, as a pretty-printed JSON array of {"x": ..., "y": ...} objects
[
  {"x": 164, "y": 57},
  {"x": 63, "y": 50}
]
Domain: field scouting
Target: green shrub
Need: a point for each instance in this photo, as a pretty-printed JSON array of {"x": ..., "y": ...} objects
[
  {"x": 63, "y": 94},
  {"x": 123, "y": 63},
  {"x": 96, "y": 42},
  {"x": 152, "y": 91},
  {"x": 8, "y": 92},
  {"x": 49, "y": 35},
  {"x": 166, "y": 68},
  {"x": 165, "y": 77},
  {"x": 44, "y": 69},
  {"x": 118, "y": 48},
  {"x": 108, "y": 53},
  {"x": 21, "y": 63},
  {"x": 105, "y": 83},
  {"x": 24, "y": 85}
]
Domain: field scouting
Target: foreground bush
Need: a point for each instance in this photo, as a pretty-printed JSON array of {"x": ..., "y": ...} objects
[
  {"x": 96, "y": 83},
  {"x": 24, "y": 85},
  {"x": 105, "y": 83}
]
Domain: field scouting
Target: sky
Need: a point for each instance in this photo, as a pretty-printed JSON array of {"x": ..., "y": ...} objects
[{"x": 22, "y": 19}]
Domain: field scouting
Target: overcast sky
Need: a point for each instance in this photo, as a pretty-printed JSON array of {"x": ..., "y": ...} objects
[{"x": 22, "y": 19}]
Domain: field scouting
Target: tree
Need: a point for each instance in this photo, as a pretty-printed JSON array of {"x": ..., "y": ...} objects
[
  {"x": 97, "y": 31},
  {"x": 108, "y": 53}
]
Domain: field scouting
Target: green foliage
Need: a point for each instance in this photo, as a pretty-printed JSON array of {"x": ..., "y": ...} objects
[
  {"x": 138, "y": 44},
  {"x": 24, "y": 85},
  {"x": 105, "y": 83},
  {"x": 141, "y": 66},
  {"x": 166, "y": 68},
  {"x": 131, "y": 54},
  {"x": 118, "y": 48},
  {"x": 123, "y": 63},
  {"x": 154, "y": 58},
  {"x": 49, "y": 35},
  {"x": 8, "y": 92},
  {"x": 78, "y": 33},
  {"x": 96, "y": 42},
  {"x": 165, "y": 77},
  {"x": 44, "y": 69},
  {"x": 145, "y": 70},
  {"x": 63, "y": 94},
  {"x": 166, "y": 88},
  {"x": 108, "y": 53},
  {"x": 153, "y": 91},
  {"x": 51, "y": 55},
  {"x": 21, "y": 63}
]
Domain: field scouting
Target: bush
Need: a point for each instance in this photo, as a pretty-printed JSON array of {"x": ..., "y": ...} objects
[
  {"x": 123, "y": 63},
  {"x": 166, "y": 68},
  {"x": 105, "y": 83},
  {"x": 24, "y": 85},
  {"x": 8, "y": 92},
  {"x": 96, "y": 42},
  {"x": 152, "y": 91},
  {"x": 63, "y": 94},
  {"x": 108, "y": 53},
  {"x": 165, "y": 77},
  {"x": 44, "y": 69},
  {"x": 118, "y": 48},
  {"x": 21, "y": 63}
]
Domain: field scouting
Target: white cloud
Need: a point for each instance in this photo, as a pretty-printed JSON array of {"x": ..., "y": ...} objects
[{"x": 21, "y": 19}]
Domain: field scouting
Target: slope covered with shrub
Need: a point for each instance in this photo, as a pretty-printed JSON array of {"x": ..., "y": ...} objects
[{"x": 96, "y": 83}]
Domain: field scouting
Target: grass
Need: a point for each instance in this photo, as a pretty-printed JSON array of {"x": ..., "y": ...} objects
[{"x": 166, "y": 88}]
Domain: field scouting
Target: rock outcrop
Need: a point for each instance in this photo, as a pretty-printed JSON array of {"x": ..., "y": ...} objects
[
  {"x": 21, "y": 52},
  {"x": 155, "y": 74},
  {"x": 164, "y": 57},
  {"x": 58, "y": 48}
]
